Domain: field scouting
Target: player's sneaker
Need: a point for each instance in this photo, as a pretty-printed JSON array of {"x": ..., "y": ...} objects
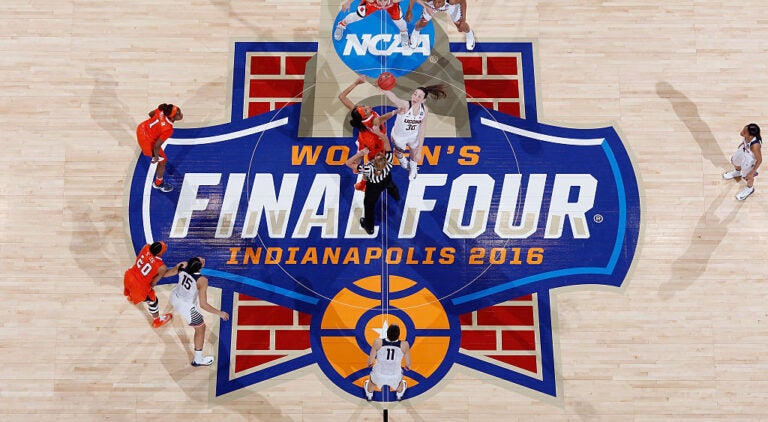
[
  {"x": 413, "y": 42},
  {"x": 400, "y": 394},
  {"x": 361, "y": 185},
  {"x": 339, "y": 32},
  {"x": 165, "y": 187},
  {"x": 414, "y": 171},
  {"x": 368, "y": 394},
  {"x": 732, "y": 174},
  {"x": 207, "y": 361},
  {"x": 404, "y": 41},
  {"x": 745, "y": 193},
  {"x": 403, "y": 163},
  {"x": 365, "y": 226},
  {"x": 470, "y": 40},
  {"x": 162, "y": 320}
]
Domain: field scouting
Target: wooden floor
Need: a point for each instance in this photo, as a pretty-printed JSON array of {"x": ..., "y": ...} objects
[{"x": 684, "y": 339}]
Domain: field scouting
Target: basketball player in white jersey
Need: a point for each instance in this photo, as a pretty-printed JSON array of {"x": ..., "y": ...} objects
[
  {"x": 455, "y": 9},
  {"x": 192, "y": 289},
  {"x": 408, "y": 131},
  {"x": 747, "y": 159},
  {"x": 388, "y": 354}
]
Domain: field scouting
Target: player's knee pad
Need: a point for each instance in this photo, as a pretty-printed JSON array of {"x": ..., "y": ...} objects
[{"x": 153, "y": 306}]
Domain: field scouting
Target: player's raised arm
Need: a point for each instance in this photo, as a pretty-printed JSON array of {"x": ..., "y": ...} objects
[{"x": 344, "y": 94}]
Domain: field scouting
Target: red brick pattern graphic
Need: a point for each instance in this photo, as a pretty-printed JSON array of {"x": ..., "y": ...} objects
[
  {"x": 505, "y": 333},
  {"x": 274, "y": 80},
  {"x": 494, "y": 81},
  {"x": 265, "y": 332}
]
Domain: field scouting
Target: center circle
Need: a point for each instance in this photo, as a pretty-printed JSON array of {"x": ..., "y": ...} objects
[{"x": 345, "y": 332}]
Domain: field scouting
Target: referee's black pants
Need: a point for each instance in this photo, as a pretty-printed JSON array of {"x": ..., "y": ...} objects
[{"x": 372, "y": 193}]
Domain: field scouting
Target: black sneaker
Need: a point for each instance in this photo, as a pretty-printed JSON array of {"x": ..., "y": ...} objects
[
  {"x": 165, "y": 187},
  {"x": 365, "y": 226}
]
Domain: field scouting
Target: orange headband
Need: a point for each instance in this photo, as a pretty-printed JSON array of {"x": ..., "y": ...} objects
[
  {"x": 174, "y": 110},
  {"x": 164, "y": 248},
  {"x": 360, "y": 111}
]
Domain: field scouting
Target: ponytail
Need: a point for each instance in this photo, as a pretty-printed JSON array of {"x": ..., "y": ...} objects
[
  {"x": 436, "y": 91},
  {"x": 754, "y": 130},
  {"x": 357, "y": 120}
]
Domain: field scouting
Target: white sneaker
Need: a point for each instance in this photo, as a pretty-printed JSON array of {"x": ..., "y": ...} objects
[
  {"x": 368, "y": 395},
  {"x": 414, "y": 171},
  {"x": 732, "y": 174},
  {"x": 470, "y": 40},
  {"x": 745, "y": 193},
  {"x": 404, "y": 41},
  {"x": 207, "y": 361},
  {"x": 414, "y": 40},
  {"x": 339, "y": 32},
  {"x": 400, "y": 394}
]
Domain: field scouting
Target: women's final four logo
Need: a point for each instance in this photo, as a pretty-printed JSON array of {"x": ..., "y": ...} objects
[
  {"x": 372, "y": 43},
  {"x": 464, "y": 262}
]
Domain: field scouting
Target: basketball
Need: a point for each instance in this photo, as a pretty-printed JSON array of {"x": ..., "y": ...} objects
[{"x": 387, "y": 81}]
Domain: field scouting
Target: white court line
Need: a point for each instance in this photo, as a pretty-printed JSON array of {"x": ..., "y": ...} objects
[
  {"x": 228, "y": 136},
  {"x": 195, "y": 141},
  {"x": 541, "y": 137}
]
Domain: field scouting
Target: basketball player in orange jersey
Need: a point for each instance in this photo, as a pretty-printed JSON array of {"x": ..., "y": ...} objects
[
  {"x": 364, "y": 119},
  {"x": 151, "y": 134},
  {"x": 456, "y": 9},
  {"x": 368, "y": 7},
  {"x": 139, "y": 280}
]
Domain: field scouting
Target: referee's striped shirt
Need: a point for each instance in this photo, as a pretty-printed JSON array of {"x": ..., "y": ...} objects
[{"x": 369, "y": 171}]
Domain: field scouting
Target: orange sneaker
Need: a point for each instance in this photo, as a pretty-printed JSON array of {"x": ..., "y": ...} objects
[
  {"x": 159, "y": 322},
  {"x": 360, "y": 185}
]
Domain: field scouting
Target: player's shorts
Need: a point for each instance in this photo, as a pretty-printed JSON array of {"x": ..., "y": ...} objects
[
  {"x": 188, "y": 311},
  {"x": 453, "y": 10},
  {"x": 743, "y": 159},
  {"x": 401, "y": 145},
  {"x": 381, "y": 380},
  {"x": 137, "y": 289},
  {"x": 371, "y": 141},
  {"x": 146, "y": 143},
  {"x": 366, "y": 9}
]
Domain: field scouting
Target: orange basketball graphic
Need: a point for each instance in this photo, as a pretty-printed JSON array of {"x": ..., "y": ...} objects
[{"x": 360, "y": 313}]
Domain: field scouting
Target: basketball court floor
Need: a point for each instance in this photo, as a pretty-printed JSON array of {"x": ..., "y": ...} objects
[{"x": 569, "y": 250}]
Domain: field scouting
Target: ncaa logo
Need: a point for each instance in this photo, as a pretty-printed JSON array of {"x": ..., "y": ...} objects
[{"x": 373, "y": 45}]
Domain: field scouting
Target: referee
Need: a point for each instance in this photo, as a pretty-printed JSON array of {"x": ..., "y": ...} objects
[{"x": 379, "y": 174}]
